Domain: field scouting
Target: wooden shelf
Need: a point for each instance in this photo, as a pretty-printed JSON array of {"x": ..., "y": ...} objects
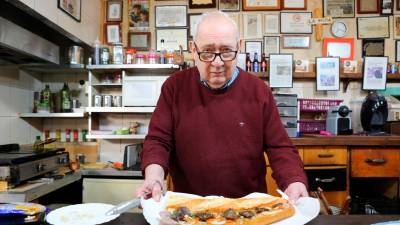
[
  {"x": 120, "y": 109},
  {"x": 106, "y": 85},
  {"x": 132, "y": 66},
  {"x": 311, "y": 75},
  {"x": 115, "y": 136},
  {"x": 52, "y": 115}
]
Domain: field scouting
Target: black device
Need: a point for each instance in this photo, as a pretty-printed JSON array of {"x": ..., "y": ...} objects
[
  {"x": 374, "y": 113},
  {"x": 132, "y": 157}
]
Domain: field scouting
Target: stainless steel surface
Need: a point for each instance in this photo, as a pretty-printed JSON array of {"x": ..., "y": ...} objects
[
  {"x": 107, "y": 100},
  {"x": 123, "y": 207},
  {"x": 19, "y": 45},
  {"x": 111, "y": 172},
  {"x": 117, "y": 101},
  {"x": 75, "y": 55},
  {"x": 5, "y": 172}
]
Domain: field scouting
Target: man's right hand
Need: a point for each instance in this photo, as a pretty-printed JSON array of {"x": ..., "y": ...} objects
[{"x": 153, "y": 185}]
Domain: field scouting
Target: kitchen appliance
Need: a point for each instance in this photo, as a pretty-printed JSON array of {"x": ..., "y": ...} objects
[
  {"x": 374, "y": 113},
  {"x": 338, "y": 121},
  {"x": 18, "y": 165},
  {"x": 141, "y": 90},
  {"x": 131, "y": 157},
  {"x": 75, "y": 55}
]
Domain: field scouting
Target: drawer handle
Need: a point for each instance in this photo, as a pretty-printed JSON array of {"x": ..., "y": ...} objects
[
  {"x": 327, "y": 180},
  {"x": 375, "y": 161},
  {"x": 328, "y": 155}
]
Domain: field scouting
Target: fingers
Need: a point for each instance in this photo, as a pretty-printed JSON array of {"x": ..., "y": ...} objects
[
  {"x": 157, "y": 191},
  {"x": 151, "y": 189}
]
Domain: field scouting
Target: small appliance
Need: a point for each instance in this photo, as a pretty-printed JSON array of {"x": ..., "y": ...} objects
[
  {"x": 131, "y": 157},
  {"x": 338, "y": 121},
  {"x": 374, "y": 113}
]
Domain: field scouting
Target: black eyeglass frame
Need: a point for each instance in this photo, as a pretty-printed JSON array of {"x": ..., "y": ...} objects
[{"x": 215, "y": 54}]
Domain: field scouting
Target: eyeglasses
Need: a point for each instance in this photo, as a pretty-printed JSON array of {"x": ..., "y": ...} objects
[{"x": 225, "y": 56}]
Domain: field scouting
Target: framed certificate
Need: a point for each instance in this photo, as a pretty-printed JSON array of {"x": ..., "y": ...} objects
[
  {"x": 339, "y": 8},
  {"x": 113, "y": 33},
  {"x": 281, "y": 70},
  {"x": 139, "y": 40},
  {"x": 271, "y": 23},
  {"x": 373, "y": 27},
  {"x": 172, "y": 38},
  {"x": 294, "y": 4},
  {"x": 261, "y": 5},
  {"x": 375, "y": 71},
  {"x": 296, "y": 41},
  {"x": 202, "y": 4},
  {"x": 271, "y": 45},
  {"x": 367, "y": 6},
  {"x": 397, "y": 56},
  {"x": 171, "y": 16},
  {"x": 114, "y": 11},
  {"x": 252, "y": 25},
  {"x": 327, "y": 69},
  {"x": 295, "y": 23}
]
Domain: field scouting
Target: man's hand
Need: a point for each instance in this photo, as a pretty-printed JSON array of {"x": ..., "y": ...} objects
[
  {"x": 153, "y": 185},
  {"x": 295, "y": 191}
]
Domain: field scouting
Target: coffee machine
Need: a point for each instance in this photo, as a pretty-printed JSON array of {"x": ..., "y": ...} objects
[
  {"x": 374, "y": 113},
  {"x": 338, "y": 121}
]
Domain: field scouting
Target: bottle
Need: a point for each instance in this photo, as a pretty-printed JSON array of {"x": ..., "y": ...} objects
[
  {"x": 163, "y": 53},
  {"x": 36, "y": 144},
  {"x": 45, "y": 99},
  {"x": 248, "y": 62},
  {"x": 256, "y": 64},
  {"x": 66, "y": 103},
  {"x": 97, "y": 51},
  {"x": 263, "y": 63}
]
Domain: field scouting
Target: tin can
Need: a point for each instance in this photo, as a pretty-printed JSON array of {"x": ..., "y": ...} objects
[
  {"x": 76, "y": 135},
  {"x": 46, "y": 134},
  {"x": 58, "y": 135},
  {"x": 67, "y": 135},
  {"x": 104, "y": 55},
  {"x": 97, "y": 101},
  {"x": 117, "y": 101},
  {"x": 107, "y": 100},
  {"x": 84, "y": 133},
  {"x": 80, "y": 158}
]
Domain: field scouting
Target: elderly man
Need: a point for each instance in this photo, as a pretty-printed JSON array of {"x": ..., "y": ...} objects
[{"x": 213, "y": 122}]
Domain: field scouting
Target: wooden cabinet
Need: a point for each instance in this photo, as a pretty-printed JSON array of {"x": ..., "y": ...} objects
[
  {"x": 375, "y": 162},
  {"x": 325, "y": 156}
]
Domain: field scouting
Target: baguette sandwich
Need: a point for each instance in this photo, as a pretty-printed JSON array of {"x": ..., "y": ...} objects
[{"x": 228, "y": 211}]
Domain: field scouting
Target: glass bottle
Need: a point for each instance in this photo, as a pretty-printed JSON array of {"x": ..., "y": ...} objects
[
  {"x": 97, "y": 51},
  {"x": 163, "y": 53},
  {"x": 66, "y": 103},
  {"x": 45, "y": 99},
  {"x": 263, "y": 63},
  {"x": 256, "y": 63},
  {"x": 248, "y": 62}
]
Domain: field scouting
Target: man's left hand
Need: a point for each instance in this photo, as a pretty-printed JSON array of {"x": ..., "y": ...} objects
[{"x": 295, "y": 191}]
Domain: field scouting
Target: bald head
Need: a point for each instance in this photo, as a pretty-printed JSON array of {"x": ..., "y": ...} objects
[{"x": 216, "y": 22}]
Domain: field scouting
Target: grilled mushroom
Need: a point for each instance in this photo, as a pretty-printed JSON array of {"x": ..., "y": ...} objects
[
  {"x": 204, "y": 216},
  {"x": 247, "y": 214},
  {"x": 180, "y": 213},
  {"x": 230, "y": 214},
  {"x": 260, "y": 210}
]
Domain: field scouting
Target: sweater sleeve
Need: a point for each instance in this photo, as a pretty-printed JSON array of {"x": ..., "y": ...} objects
[{"x": 283, "y": 156}]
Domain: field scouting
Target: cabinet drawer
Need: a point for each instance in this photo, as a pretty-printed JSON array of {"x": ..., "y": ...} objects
[
  {"x": 325, "y": 156},
  {"x": 300, "y": 154},
  {"x": 287, "y": 111},
  {"x": 375, "y": 162},
  {"x": 327, "y": 179},
  {"x": 285, "y": 99}
]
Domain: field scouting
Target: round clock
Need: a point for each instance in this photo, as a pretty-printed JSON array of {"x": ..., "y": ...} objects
[{"x": 339, "y": 29}]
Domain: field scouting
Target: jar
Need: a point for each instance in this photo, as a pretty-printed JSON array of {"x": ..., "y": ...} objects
[
  {"x": 104, "y": 55},
  {"x": 140, "y": 59},
  {"x": 169, "y": 58},
  {"x": 153, "y": 58},
  {"x": 129, "y": 55},
  {"x": 118, "y": 53}
]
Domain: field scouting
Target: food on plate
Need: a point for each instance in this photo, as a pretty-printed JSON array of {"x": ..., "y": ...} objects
[{"x": 228, "y": 211}]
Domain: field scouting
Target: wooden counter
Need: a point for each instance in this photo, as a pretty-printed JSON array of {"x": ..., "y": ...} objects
[{"x": 350, "y": 140}]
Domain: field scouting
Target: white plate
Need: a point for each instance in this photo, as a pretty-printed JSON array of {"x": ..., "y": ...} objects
[{"x": 81, "y": 214}]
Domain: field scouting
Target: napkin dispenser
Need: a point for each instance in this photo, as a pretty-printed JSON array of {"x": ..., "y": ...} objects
[{"x": 132, "y": 156}]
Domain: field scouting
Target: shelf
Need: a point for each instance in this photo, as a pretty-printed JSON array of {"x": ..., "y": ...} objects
[
  {"x": 132, "y": 66},
  {"x": 52, "y": 115},
  {"x": 54, "y": 69},
  {"x": 311, "y": 75},
  {"x": 107, "y": 85},
  {"x": 115, "y": 136},
  {"x": 120, "y": 109}
]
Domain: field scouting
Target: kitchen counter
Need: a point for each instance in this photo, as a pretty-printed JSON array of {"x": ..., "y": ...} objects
[
  {"x": 347, "y": 140},
  {"x": 138, "y": 219},
  {"x": 110, "y": 172}
]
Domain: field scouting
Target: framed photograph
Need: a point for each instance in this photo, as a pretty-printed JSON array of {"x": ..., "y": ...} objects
[
  {"x": 72, "y": 8},
  {"x": 249, "y": 5},
  {"x": 271, "y": 45},
  {"x": 138, "y": 14},
  {"x": 373, "y": 27},
  {"x": 113, "y": 33},
  {"x": 172, "y": 38},
  {"x": 397, "y": 56},
  {"x": 202, "y": 4},
  {"x": 296, "y": 41},
  {"x": 252, "y": 25},
  {"x": 387, "y": 7},
  {"x": 139, "y": 40},
  {"x": 280, "y": 70},
  {"x": 294, "y": 4},
  {"x": 295, "y": 23},
  {"x": 338, "y": 47},
  {"x": 339, "y": 8},
  {"x": 373, "y": 47},
  {"x": 396, "y": 26},
  {"x": 271, "y": 23},
  {"x": 171, "y": 16},
  {"x": 367, "y": 6},
  {"x": 229, "y": 5},
  {"x": 114, "y": 11},
  {"x": 193, "y": 20},
  {"x": 253, "y": 47},
  {"x": 302, "y": 66},
  {"x": 327, "y": 70},
  {"x": 374, "y": 73}
]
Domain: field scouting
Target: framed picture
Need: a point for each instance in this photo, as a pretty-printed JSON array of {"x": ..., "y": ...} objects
[
  {"x": 271, "y": 45},
  {"x": 252, "y": 25},
  {"x": 113, "y": 33},
  {"x": 172, "y": 38},
  {"x": 295, "y": 23},
  {"x": 294, "y": 4},
  {"x": 296, "y": 41},
  {"x": 397, "y": 56},
  {"x": 350, "y": 66},
  {"x": 193, "y": 20},
  {"x": 387, "y": 7},
  {"x": 229, "y": 5},
  {"x": 374, "y": 73},
  {"x": 338, "y": 47},
  {"x": 271, "y": 23},
  {"x": 171, "y": 16},
  {"x": 280, "y": 70},
  {"x": 253, "y": 47},
  {"x": 327, "y": 70},
  {"x": 396, "y": 26},
  {"x": 302, "y": 66},
  {"x": 373, "y": 27},
  {"x": 114, "y": 11},
  {"x": 261, "y": 5},
  {"x": 72, "y": 8},
  {"x": 138, "y": 14},
  {"x": 373, "y": 47},
  {"x": 367, "y": 6},
  {"x": 201, "y": 4},
  {"x": 139, "y": 40},
  {"x": 339, "y": 8}
]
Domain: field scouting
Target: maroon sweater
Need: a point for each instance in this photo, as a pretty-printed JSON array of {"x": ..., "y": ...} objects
[{"x": 212, "y": 141}]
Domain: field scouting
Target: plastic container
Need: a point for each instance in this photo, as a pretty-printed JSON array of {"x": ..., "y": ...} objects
[
  {"x": 317, "y": 105},
  {"x": 140, "y": 59},
  {"x": 311, "y": 126},
  {"x": 130, "y": 55},
  {"x": 287, "y": 111},
  {"x": 285, "y": 99},
  {"x": 153, "y": 58}
]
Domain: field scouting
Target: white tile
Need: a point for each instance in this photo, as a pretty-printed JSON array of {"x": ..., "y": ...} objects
[
  {"x": 5, "y": 125},
  {"x": 5, "y": 100},
  {"x": 20, "y": 131},
  {"x": 110, "y": 150}
]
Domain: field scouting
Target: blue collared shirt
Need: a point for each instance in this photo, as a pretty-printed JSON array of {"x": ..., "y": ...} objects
[{"x": 227, "y": 84}]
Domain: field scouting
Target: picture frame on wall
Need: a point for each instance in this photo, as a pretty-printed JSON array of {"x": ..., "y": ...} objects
[
  {"x": 296, "y": 41},
  {"x": 375, "y": 73},
  {"x": 397, "y": 56},
  {"x": 271, "y": 45},
  {"x": 229, "y": 5},
  {"x": 373, "y": 27},
  {"x": 373, "y": 47},
  {"x": 138, "y": 15},
  {"x": 193, "y": 19},
  {"x": 295, "y": 22},
  {"x": 280, "y": 70},
  {"x": 171, "y": 16},
  {"x": 396, "y": 26},
  {"x": 113, "y": 33},
  {"x": 201, "y": 4},
  {"x": 386, "y": 7},
  {"x": 139, "y": 40},
  {"x": 327, "y": 73},
  {"x": 271, "y": 24},
  {"x": 172, "y": 38},
  {"x": 367, "y": 6},
  {"x": 114, "y": 11},
  {"x": 252, "y": 25},
  {"x": 253, "y": 47},
  {"x": 294, "y": 4},
  {"x": 398, "y": 4},
  {"x": 339, "y": 8},
  {"x": 72, "y": 8},
  {"x": 338, "y": 47},
  {"x": 250, "y": 5}
]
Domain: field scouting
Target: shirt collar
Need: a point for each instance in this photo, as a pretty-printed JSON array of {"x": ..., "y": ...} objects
[{"x": 227, "y": 84}]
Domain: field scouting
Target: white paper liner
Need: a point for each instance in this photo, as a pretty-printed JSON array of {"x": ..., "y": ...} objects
[{"x": 306, "y": 208}]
